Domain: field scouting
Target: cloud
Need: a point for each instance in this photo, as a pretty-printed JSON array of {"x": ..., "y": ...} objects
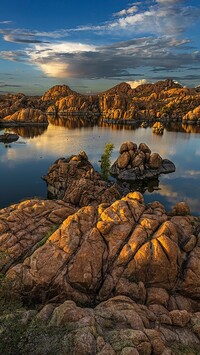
[
  {"x": 79, "y": 60},
  {"x": 136, "y": 83},
  {"x": 5, "y": 22},
  {"x": 15, "y": 39},
  {"x": 128, "y": 11},
  {"x": 31, "y": 36},
  {"x": 56, "y": 56},
  {"x": 161, "y": 17}
]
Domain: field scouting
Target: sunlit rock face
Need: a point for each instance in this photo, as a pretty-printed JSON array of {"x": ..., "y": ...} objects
[
  {"x": 123, "y": 248},
  {"x": 24, "y": 225},
  {"x": 137, "y": 163},
  {"x": 193, "y": 115},
  {"x": 11, "y": 103},
  {"x": 165, "y": 100},
  {"x": 106, "y": 275},
  {"x": 26, "y": 116},
  {"x": 57, "y": 92}
]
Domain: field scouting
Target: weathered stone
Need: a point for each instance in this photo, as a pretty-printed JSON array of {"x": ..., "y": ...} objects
[
  {"x": 144, "y": 148},
  {"x": 74, "y": 181},
  {"x": 181, "y": 209},
  {"x": 179, "y": 318},
  {"x": 139, "y": 165},
  {"x": 123, "y": 160},
  {"x": 26, "y": 116},
  {"x": 155, "y": 161}
]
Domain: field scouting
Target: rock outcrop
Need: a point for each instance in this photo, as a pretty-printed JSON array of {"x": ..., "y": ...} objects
[
  {"x": 105, "y": 275},
  {"x": 117, "y": 326},
  {"x": 74, "y": 181},
  {"x": 158, "y": 128},
  {"x": 193, "y": 115},
  {"x": 26, "y": 116},
  {"x": 134, "y": 267},
  {"x": 12, "y": 103},
  {"x": 138, "y": 163},
  {"x": 8, "y": 137},
  {"x": 125, "y": 248},
  {"x": 164, "y": 100},
  {"x": 24, "y": 226}
]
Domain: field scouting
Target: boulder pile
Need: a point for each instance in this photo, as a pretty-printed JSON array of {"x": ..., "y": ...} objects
[
  {"x": 74, "y": 181},
  {"x": 137, "y": 163}
]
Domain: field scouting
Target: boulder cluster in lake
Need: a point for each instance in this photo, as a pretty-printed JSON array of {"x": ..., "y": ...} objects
[
  {"x": 164, "y": 100},
  {"x": 137, "y": 163},
  {"x": 98, "y": 273}
]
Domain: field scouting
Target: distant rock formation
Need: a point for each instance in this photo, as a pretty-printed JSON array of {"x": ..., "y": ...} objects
[
  {"x": 12, "y": 103},
  {"x": 57, "y": 92},
  {"x": 25, "y": 117},
  {"x": 164, "y": 100},
  {"x": 158, "y": 128},
  {"x": 138, "y": 163},
  {"x": 193, "y": 115}
]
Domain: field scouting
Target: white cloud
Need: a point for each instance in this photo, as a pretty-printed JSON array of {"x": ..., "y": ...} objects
[
  {"x": 164, "y": 16},
  {"x": 128, "y": 11},
  {"x": 5, "y": 22},
  {"x": 48, "y": 57},
  {"x": 136, "y": 83}
]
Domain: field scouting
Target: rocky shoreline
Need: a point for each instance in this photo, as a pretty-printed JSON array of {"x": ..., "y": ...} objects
[
  {"x": 94, "y": 272},
  {"x": 163, "y": 101}
]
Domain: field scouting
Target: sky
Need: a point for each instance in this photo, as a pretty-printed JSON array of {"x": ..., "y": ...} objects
[{"x": 94, "y": 45}]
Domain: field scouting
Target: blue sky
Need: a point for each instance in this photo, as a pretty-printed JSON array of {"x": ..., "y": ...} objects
[{"x": 92, "y": 46}]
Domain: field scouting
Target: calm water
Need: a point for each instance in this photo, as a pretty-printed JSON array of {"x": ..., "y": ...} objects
[{"x": 24, "y": 162}]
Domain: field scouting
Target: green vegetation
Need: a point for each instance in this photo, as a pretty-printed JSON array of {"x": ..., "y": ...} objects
[
  {"x": 105, "y": 161},
  {"x": 47, "y": 236},
  {"x": 181, "y": 349}
]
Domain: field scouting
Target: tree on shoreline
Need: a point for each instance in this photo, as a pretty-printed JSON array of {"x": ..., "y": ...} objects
[{"x": 105, "y": 161}]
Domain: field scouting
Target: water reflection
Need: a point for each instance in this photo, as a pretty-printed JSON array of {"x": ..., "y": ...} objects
[
  {"x": 22, "y": 166},
  {"x": 72, "y": 122},
  {"x": 28, "y": 131},
  {"x": 141, "y": 186}
]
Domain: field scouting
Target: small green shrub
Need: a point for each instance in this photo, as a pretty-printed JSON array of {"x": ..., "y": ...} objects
[
  {"x": 105, "y": 161},
  {"x": 47, "y": 236}
]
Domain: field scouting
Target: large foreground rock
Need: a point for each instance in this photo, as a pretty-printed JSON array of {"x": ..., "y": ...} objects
[
  {"x": 134, "y": 270},
  {"x": 126, "y": 248},
  {"x": 25, "y": 226},
  {"x": 139, "y": 164}
]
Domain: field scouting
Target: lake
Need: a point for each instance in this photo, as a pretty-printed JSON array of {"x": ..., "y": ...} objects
[{"x": 24, "y": 162}]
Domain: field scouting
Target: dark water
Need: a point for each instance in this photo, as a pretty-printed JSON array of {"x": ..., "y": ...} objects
[{"x": 24, "y": 162}]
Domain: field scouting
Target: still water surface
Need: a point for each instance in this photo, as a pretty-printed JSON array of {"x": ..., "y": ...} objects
[{"x": 24, "y": 162}]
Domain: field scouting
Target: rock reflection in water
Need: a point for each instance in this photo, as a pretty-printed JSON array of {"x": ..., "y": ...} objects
[
  {"x": 181, "y": 127},
  {"x": 72, "y": 122},
  {"x": 28, "y": 131},
  {"x": 121, "y": 126},
  {"x": 141, "y": 186}
]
